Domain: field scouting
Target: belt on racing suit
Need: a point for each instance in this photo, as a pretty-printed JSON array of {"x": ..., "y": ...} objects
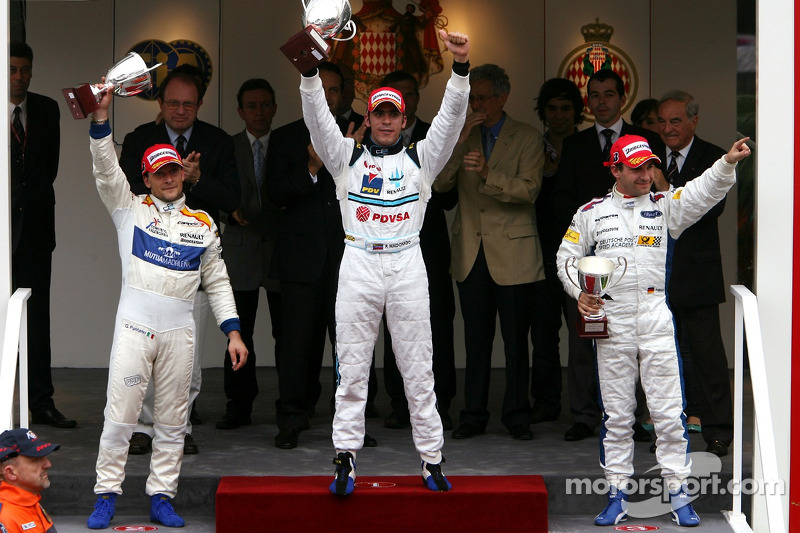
[{"x": 381, "y": 246}]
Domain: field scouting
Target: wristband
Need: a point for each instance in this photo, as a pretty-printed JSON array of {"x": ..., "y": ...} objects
[{"x": 462, "y": 69}]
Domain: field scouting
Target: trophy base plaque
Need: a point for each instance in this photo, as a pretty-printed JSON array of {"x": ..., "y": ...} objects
[
  {"x": 80, "y": 100},
  {"x": 306, "y": 49},
  {"x": 592, "y": 328}
]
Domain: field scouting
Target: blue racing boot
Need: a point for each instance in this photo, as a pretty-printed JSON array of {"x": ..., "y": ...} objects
[
  {"x": 682, "y": 511},
  {"x": 344, "y": 479},
  {"x": 617, "y": 509},
  {"x": 433, "y": 478},
  {"x": 162, "y": 512},
  {"x": 103, "y": 511}
]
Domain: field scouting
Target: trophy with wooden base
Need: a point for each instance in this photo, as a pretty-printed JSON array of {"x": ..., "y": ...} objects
[
  {"x": 594, "y": 277},
  {"x": 322, "y": 21},
  {"x": 128, "y": 77}
]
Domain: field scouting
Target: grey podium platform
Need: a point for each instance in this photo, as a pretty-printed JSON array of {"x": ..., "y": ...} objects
[{"x": 80, "y": 394}]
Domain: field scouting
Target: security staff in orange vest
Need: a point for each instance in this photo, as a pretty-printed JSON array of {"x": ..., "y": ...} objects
[{"x": 24, "y": 465}]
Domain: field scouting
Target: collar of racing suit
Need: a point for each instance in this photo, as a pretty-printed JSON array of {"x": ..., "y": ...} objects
[
  {"x": 381, "y": 151},
  {"x": 166, "y": 207},
  {"x": 626, "y": 201}
]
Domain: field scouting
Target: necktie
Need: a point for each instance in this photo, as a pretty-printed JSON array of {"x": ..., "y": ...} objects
[
  {"x": 488, "y": 144},
  {"x": 672, "y": 170},
  {"x": 258, "y": 162},
  {"x": 18, "y": 128},
  {"x": 180, "y": 145},
  {"x": 608, "y": 134}
]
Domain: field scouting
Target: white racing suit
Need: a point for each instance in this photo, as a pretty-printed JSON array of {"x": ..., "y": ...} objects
[
  {"x": 383, "y": 193},
  {"x": 639, "y": 320},
  {"x": 166, "y": 250}
]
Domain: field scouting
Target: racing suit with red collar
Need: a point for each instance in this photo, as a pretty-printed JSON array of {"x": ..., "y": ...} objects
[
  {"x": 383, "y": 192},
  {"x": 640, "y": 324}
]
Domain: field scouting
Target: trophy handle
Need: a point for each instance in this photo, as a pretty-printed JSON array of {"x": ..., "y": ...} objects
[
  {"x": 570, "y": 262},
  {"x": 349, "y": 26},
  {"x": 620, "y": 261}
]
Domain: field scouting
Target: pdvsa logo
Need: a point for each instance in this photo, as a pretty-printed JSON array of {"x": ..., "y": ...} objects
[
  {"x": 390, "y": 219},
  {"x": 362, "y": 213}
]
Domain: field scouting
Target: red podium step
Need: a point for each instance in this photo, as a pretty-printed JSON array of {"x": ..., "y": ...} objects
[{"x": 485, "y": 504}]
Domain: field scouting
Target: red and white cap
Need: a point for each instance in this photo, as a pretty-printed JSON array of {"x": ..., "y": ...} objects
[
  {"x": 632, "y": 151},
  {"x": 159, "y": 155},
  {"x": 386, "y": 94}
]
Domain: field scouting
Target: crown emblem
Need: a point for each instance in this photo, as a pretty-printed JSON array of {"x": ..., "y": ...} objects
[
  {"x": 596, "y": 54},
  {"x": 597, "y": 32}
]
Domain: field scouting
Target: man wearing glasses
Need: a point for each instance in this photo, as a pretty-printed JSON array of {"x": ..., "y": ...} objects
[
  {"x": 211, "y": 184},
  {"x": 496, "y": 167}
]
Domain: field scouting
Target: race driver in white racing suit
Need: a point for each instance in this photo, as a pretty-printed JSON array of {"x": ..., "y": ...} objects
[
  {"x": 637, "y": 224},
  {"x": 166, "y": 251},
  {"x": 383, "y": 189}
]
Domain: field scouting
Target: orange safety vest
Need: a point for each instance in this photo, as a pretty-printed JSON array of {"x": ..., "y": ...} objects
[{"x": 20, "y": 512}]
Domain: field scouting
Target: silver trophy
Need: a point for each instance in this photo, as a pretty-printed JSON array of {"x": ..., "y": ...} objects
[
  {"x": 329, "y": 18},
  {"x": 128, "y": 77},
  {"x": 594, "y": 277},
  {"x": 323, "y": 20}
]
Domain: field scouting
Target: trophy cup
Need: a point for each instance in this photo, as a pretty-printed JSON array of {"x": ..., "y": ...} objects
[
  {"x": 323, "y": 20},
  {"x": 129, "y": 77},
  {"x": 594, "y": 277}
]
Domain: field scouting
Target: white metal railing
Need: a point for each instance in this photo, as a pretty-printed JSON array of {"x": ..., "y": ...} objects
[
  {"x": 15, "y": 342},
  {"x": 747, "y": 319}
]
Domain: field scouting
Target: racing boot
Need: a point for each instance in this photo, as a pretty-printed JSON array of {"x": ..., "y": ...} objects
[
  {"x": 617, "y": 509},
  {"x": 682, "y": 511},
  {"x": 433, "y": 478},
  {"x": 162, "y": 512},
  {"x": 344, "y": 479},
  {"x": 103, "y": 511}
]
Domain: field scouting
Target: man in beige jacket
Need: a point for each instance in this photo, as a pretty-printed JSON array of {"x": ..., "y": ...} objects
[{"x": 496, "y": 255}]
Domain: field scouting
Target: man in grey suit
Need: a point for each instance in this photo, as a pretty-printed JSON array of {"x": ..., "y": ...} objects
[{"x": 247, "y": 243}]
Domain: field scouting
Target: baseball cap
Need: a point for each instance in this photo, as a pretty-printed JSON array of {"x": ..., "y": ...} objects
[
  {"x": 632, "y": 151},
  {"x": 159, "y": 155},
  {"x": 23, "y": 441},
  {"x": 386, "y": 94}
]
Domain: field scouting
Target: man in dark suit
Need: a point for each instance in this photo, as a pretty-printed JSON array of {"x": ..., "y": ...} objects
[
  {"x": 211, "y": 184},
  {"x": 696, "y": 286},
  {"x": 35, "y": 147},
  {"x": 581, "y": 176},
  {"x": 345, "y": 113},
  {"x": 247, "y": 242},
  {"x": 435, "y": 244},
  {"x": 306, "y": 262},
  {"x": 496, "y": 254}
]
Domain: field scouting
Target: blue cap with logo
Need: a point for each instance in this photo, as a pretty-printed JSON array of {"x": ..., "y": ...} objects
[{"x": 23, "y": 441}]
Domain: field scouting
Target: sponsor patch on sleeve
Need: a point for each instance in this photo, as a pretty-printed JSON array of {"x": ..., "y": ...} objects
[
  {"x": 572, "y": 236},
  {"x": 677, "y": 194}
]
